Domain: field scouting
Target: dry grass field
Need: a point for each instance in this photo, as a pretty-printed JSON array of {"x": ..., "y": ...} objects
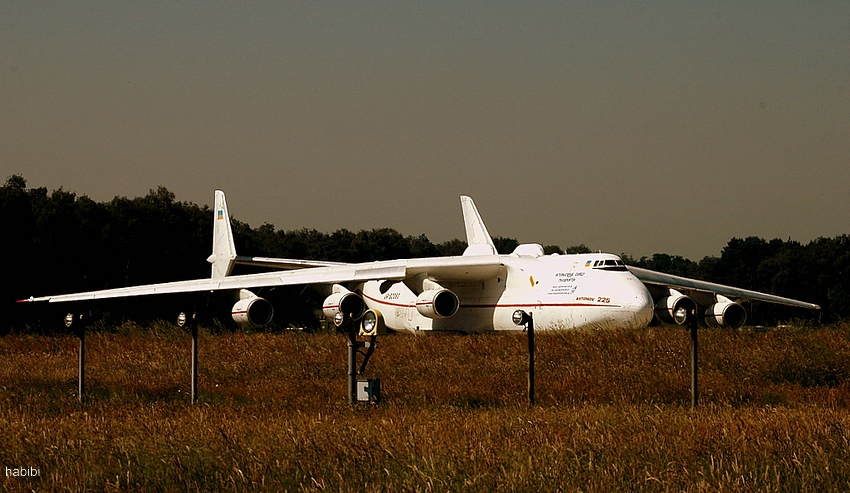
[{"x": 613, "y": 413}]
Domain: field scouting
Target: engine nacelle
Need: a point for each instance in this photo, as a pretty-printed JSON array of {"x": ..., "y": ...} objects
[
  {"x": 347, "y": 303},
  {"x": 253, "y": 310},
  {"x": 437, "y": 303},
  {"x": 725, "y": 314},
  {"x": 675, "y": 309}
]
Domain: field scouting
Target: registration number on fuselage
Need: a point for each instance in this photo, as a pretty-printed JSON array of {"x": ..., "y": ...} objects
[{"x": 598, "y": 299}]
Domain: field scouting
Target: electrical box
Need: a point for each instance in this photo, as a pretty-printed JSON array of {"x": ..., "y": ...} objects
[{"x": 369, "y": 390}]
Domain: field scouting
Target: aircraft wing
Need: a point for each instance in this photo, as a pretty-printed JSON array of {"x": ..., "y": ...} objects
[
  {"x": 692, "y": 285},
  {"x": 284, "y": 263},
  {"x": 438, "y": 268}
]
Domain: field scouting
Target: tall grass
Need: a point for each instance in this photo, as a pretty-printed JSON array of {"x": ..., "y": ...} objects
[{"x": 613, "y": 413}]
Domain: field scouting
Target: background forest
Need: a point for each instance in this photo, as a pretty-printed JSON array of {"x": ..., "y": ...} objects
[{"x": 58, "y": 242}]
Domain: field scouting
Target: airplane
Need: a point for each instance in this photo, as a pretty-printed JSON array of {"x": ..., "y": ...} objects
[{"x": 478, "y": 291}]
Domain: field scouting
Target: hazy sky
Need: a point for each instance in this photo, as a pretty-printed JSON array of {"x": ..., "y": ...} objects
[{"x": 634, "y": 127}]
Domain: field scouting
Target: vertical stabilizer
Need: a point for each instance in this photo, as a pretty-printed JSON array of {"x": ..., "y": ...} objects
[
  {"x": 224, "y": 250},
  {"x": 477, "y": 237}
]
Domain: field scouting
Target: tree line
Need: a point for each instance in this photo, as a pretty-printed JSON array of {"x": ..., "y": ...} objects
[{"x": 57, "y": 242}]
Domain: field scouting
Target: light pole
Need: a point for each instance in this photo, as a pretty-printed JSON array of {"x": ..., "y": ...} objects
[{"x": 526, "y": 319}]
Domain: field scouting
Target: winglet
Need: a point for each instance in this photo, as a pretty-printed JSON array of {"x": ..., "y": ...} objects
[
  {"x": 224, "y": 250},
  {"x": 477, "y": 237}
]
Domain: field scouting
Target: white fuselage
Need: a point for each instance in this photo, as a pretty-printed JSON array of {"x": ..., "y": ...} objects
[{"x": 560, "y": 291}]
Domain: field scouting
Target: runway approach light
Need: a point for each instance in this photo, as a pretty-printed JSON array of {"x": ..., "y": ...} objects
[
  {"x": 339, "y": 318},
  {"x": 372, "y": 324},
  {"x": 69, "y": 320},
  {"x": 520, "y": 317}
]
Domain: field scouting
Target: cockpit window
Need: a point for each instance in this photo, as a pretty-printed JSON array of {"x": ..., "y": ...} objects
[{"x": 609, "y": 264}]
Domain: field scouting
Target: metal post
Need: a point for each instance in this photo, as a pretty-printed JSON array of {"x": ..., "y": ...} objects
[
  {"x": 352, "y": 365},
  {"x": 194, "y": 327},
  {"x": 694, "y": 363},
  {"x": 192, "y": 320},
  {"x": 530, "y": 360},
  {"x": 81, "y": 374}
]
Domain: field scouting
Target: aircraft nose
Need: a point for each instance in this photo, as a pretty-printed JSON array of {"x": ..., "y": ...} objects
[{"x": 641, "y": 306}]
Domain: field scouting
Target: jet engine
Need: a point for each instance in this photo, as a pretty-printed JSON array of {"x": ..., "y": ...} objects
[
  {"x": 675, "y": 308},
  {"x": 437, "y": 303},
  {"x": 725, "y": 313},
  {"x": 252, "y": 310},
  {"x": 344, "y": 302}
]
